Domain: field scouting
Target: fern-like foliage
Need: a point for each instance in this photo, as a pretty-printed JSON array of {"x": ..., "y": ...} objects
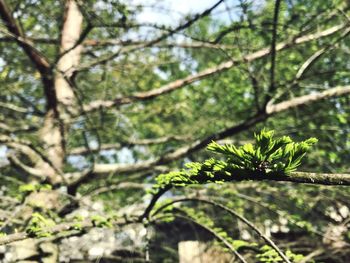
[
  {"x": 280, "y": 155},
  {"x": 269, "y": 156}
]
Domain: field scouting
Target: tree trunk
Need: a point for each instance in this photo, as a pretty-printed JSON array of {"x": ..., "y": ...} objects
[
  {"x": 53, "y": 133},
  {"x": 56, "y": 120}
]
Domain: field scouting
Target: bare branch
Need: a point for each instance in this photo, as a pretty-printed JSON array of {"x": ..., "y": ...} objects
[
  {"x": 159, "y": 39},
  {"x": 40, "y": 62},
  {"x": 208, "y": 72},
  {"x": 19, "y": 128},
  {"x": 22, "y": 146},
  {"x": 199, "y": 144},
  {"x": 33, "y": 154},
  {"x": 312, "y": 255},
  {"x": 311, "y": 60},
  {"x": 308, "y": 64},
  {"x": 38, "y": 173},
  {"x": 307, "y": 99},
  {"x": 13, "y": 107},
  {"x": 116, "y": 146},
  {"x": 216, "y": 235},
  {"x": 194, "y": 44},
  {"x": 235, "y": 214},
  {"x": 135, "y": 43},
  {"x": 38, "y": 40},
  {"x": 318, "y": 178}
]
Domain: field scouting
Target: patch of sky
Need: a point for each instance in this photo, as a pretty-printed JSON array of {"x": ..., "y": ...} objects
[{"x": 3, "y": 159}]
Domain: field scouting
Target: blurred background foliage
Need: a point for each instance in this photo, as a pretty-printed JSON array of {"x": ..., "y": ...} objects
[{"x": 298, "y": 217}]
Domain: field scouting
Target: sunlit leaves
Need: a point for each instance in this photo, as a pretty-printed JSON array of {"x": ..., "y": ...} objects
[
  {"x": 38, "y": 226},
  {"x": 269, "y": 255},
  {"x": 268, "y": 156},
  {"x": 27, "y": 188}
]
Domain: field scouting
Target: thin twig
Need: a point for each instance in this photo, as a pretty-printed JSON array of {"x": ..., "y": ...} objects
[{"x": 240, "y": 217}]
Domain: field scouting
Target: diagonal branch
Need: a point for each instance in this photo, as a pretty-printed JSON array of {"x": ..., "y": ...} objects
[
  {"x": 216, "y": 235},
  {"x": 33, "y": 154},
  {"x": 13, "y": 107},
  {"x": 141, "y": 96},
  {"x": 115, "y": 146},
  {"x": 22, "y": 146},
  {"x": 307, "y": 99},
  {"x": 159, "y": 39},
  {"x": 306, "y": 66},
  {"x": 40, "y": 174},
  {"x": 200, "y": 144},
  {"x": 311, "y": 60},
  {"x": 51, "y": 41},
  {"x": 235, "y": 214},
  {"x": 40, "y": 62}
]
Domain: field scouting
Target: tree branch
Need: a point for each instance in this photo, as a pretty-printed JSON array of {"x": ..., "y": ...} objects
[
  {"x": 24, "y": 147},
  {"x": 10, "y": 39},
  {"x": 306, "y": 66},
  {"x": 140, "y": 96},
  {"x": 159, "y": 39},
  {"x": 34, "y": 155},
  {"x": 317, "y": 178},
  {"x": 40, "y": 174},
  {"x": 307, "y": 99},
  {"x": 273, "y": 51},
  {"x": 115, "y": 146},
  {"x": 217, "y": 236},
  {"x": 199, "y": 144},
  {"x": 55, "y": 230},
  {"x": 40, "y": 62},
  {"x": 22, "y": 128},
  {"x": 235, "y": 214},
  {"x": 13, "y": 107},
  {"x": 117, "y": 42},
  {"x": 194, "y": 44}
]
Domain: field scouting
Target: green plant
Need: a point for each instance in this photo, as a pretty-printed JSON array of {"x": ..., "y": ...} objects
[
  {"x": 27, "y": 188},
  {"x": 38, "y": 226},
  {"x": 267, "y": 157},
  {"x": 269, "y": 255}
]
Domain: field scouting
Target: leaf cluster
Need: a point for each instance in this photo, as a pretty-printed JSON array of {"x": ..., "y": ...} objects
[
  {"x": 269, "y": 255},
  {"x": 269, "y": 156},
  {"x": 280, "y": 155},
  {"x": 38, "y": 224},
  {"x": 28, "y": 188}
]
